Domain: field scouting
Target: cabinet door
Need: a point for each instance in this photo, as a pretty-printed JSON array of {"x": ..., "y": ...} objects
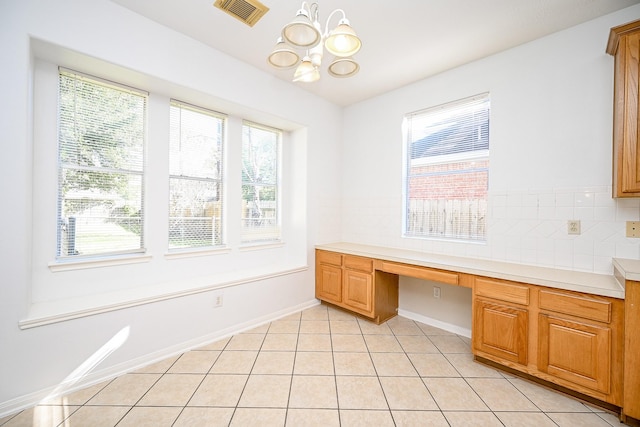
[
  {"x": 576, "y": 352},
  {"x": 358, "y": 291},
  {"x": 501, "y": 330},
  {"x": 329, "y": 283},
  {"x": 626, "y": 164}
]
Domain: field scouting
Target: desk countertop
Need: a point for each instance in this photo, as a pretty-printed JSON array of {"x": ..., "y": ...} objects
[{"x": 590, "y": 283}]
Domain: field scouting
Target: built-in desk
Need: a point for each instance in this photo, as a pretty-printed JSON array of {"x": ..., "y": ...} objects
[
  {"x": 564, "y": 328},
  {"x": 590, "y": 283}
]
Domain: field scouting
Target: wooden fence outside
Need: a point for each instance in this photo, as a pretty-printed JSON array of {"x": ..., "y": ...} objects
[{"x": 446, "y": 218}]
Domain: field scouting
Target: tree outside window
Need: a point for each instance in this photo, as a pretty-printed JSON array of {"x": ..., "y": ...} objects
[
  {"x": 101, "y": 167},
  {"x": 260, "y": 183}
]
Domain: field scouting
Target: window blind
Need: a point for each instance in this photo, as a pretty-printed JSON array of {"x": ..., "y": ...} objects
[
  {"x": 453, "y": 128},
  {"x": 195, "y": 177},
  {"x": 260, "y": 183},
  {"x": 101, "y": 167}
]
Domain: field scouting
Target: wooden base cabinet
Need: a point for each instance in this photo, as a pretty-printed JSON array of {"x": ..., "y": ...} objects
[
  {"x": 501, "y": 320},
  {"x": 631, "y": 406},
  {"x": 352, "y": 283},
  {"x": 501, "y": 330},
  {"x": 580, "y": 340},
  {"x": 576, "y": 352},
  {"x": 329, "y": 276},
  {"x": 571, "y": 339}
]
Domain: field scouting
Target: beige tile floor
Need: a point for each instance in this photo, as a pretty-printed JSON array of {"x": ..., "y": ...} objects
[{"x": 320, "y": 367}]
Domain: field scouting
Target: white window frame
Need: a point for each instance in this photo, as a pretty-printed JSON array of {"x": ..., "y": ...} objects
[
  {"x": 218, "y": 180},
  {"x": 67, "y": 227},
  {"x": 438, "y": 220},
  {"x": 264, "y": 235}
]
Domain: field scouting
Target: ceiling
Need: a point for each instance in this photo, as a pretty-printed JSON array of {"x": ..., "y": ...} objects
[{"x": 403, "y": 41}]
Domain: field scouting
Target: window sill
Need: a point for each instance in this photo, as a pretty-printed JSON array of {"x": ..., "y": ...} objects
[
  {"x": 190, "y": 253},
  {"x": 46, "y": 313},
  {"x": 256, "y": 246},
  {"x": 58, "y": 266}
]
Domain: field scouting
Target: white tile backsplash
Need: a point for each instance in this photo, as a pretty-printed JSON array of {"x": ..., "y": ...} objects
[{"x": 528, "y": 227}]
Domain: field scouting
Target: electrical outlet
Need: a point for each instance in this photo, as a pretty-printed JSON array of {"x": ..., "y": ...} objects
[
  {"x": 573, "y": 226},
  {"x": 218, "y": 300},
  {"x": 633, "y": 228},
  {"x": 436, "y": 292}
]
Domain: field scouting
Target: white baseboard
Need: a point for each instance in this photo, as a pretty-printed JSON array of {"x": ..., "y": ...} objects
[
  {"x": 32, "y": 399},
  {"x": 436, "y": 323}
]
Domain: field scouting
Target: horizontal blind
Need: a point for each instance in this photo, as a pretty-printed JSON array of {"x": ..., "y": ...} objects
[
  {"x": 101, "y": 167},
  {"x": 195, "y": 177},
  {"x": 457, "y": 127},
  {"x": 260, "y": 183}
]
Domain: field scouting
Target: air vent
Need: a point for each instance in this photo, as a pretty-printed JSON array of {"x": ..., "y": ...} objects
[{"x": 247, "y": 11}]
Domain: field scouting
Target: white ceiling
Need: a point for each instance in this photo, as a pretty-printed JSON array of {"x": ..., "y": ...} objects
[{"x": 402, "y": 40}]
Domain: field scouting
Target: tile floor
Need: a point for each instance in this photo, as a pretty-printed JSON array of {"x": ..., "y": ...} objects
[{"x": 320, "y": 367}]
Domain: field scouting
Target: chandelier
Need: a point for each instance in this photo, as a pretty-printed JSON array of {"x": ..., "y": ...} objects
[{"x": 304, "y": 33}]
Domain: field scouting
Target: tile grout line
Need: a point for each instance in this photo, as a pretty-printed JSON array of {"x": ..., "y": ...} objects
[
  {"x": 201, "y": 382},
  {"x": 293, "y": 368}
]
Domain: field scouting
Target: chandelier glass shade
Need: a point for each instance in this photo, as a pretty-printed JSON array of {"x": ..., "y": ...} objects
[{"x": 304, "y": 33}]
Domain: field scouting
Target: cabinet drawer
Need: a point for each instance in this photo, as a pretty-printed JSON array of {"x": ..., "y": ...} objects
[
  {"x": 576, "y": 305},
  {"x": 425, "y": 273},
  {"x": 358, "y": 263},
  {"x": 503, "y": 291},
  {"x": 332, "y": 258}
]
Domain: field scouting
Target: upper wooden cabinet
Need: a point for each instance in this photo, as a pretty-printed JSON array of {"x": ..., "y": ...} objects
[{"x": 624, "y": 45}]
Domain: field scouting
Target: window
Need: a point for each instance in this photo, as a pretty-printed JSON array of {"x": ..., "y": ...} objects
[
  {"x": 447, "y": 170},
  {"x": 100, "y": 167},
  {"x": 260, "y": 183},
  {"x": 195, "y": 177}
]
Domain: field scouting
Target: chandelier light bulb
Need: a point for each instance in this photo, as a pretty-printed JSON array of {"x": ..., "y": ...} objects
[
  {"x": 306, "y": 72},
  {"x": 305, "y": 32},
  {"x": 343, "y": 41}
]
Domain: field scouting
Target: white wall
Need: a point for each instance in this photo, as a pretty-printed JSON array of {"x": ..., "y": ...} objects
[
  {"x": 105, "y": 39},
  {"x": 550, "y": 157},
  {"x": 550, "y": 99}
]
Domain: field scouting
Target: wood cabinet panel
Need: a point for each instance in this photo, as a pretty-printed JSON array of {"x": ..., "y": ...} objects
[
  {"x": 624, "y": 45},
  {"x": 329, "y": 283},
  {"x": 325, "y": 257},
  {"x": 420, "y": 272},
  {"x": 502, "y": 290},
  {"x": 576, "y": 352},
  {"x": 576, "y": 305},
  {"x": 632, "y": 350},
  {"x": 501, "y": 330},
  {"x": 358, "y": 263},
  {"x": 358, "y": 291}
]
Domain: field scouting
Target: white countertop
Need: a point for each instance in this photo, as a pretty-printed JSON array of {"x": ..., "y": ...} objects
[
  {"x": 590, "y": 283},
  {"x": 629, "y": 269}
]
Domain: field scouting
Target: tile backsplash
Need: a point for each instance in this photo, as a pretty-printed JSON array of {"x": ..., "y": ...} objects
[{"x": 528, "y": 227}]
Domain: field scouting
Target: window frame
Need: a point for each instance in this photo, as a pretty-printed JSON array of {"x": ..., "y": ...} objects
[
  {"x": 60, "y": 166},
  {"x": 450, "y": 159},
  {"x": 219, "y": 180},
  {"x": 277, "y": 238}
]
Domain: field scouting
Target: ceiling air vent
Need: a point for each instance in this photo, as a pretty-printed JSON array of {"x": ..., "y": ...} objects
[{"x": 247, "y": 11}]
